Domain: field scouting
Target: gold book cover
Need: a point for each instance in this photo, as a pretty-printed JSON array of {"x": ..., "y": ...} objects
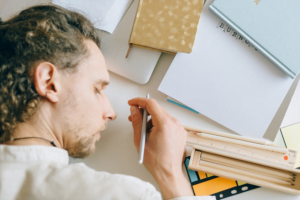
[{"x": 166, "y": 25}]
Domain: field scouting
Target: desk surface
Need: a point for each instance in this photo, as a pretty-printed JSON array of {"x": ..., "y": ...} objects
[{"x": 115, "y": 152}]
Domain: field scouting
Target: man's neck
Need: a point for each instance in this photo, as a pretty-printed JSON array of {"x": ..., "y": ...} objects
[
  {"x": 24, "y": 141},
  {"x": 34, "y": 134}
]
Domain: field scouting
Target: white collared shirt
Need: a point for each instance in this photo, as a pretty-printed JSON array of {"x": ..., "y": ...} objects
[{"x": 40, "y": 172}]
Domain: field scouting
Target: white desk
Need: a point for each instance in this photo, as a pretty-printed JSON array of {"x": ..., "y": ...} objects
[{"x": 115, "y": 152}]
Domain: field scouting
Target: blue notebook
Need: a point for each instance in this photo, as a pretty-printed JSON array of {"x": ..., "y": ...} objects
[{"x": 271, "y": 26}]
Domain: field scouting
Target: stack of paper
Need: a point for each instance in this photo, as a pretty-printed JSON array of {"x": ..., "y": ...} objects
[
  {"x": 139, "y": 66},
  {"x": 226, "y": 79},
  {"x": 105, "y": 14}
]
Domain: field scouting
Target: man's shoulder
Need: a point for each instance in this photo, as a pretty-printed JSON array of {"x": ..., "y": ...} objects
[
  {"x": 86, "y": 172},
  {"x": 85, "y": 180}
]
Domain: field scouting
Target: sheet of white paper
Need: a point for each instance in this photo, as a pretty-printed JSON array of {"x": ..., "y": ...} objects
[
  {"x": 105, "y": 14},
  {"x": 226, "y": 79},
  {"x": 114, "y": 15},
  {"x": 140, "y": 63},
  {"x": 292, "y": 115}
]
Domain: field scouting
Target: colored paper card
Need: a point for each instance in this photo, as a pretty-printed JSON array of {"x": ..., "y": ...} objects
[
  {"x": 291, "y": 137},
  {"x": 210, "y": 185},
  {"x": 213, "y": 186},
  {"x": 171, "y": 100},
  {"x": 201, "y": 175},
  {"x": 191, "y": 173}
]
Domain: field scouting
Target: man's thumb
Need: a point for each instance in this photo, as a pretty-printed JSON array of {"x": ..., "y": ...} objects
[{"x": 137, "y": 122}]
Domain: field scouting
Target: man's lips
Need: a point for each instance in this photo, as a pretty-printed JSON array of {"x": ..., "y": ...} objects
[{"x": 99, "y": 133}]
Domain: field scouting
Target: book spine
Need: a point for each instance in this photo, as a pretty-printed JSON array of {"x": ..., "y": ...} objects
[
  {"x": 261, "y": 49},
  {"x": 136, "y": 18}
]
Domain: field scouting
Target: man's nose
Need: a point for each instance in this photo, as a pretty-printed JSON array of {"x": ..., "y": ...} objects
[
  {"x": 113, "y": 115},
  {"x": 109, "y": 113}
]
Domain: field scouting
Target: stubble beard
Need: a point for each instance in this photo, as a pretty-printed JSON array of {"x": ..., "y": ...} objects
[{"x": 83, "y": 148}]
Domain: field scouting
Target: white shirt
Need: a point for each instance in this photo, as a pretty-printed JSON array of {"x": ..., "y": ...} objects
[{"x": 40, "y": 172}]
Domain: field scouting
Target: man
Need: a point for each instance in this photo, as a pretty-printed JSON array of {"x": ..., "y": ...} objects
[{"x": 53, "y": 104}]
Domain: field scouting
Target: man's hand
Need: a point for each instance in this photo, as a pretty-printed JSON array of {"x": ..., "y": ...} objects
[{"x": 164, "y": 148}]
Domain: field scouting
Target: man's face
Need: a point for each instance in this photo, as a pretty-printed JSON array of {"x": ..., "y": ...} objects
[{"x": 83, "y": 109}]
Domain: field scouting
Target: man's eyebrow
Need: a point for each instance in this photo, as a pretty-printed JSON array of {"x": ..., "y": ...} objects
[{"x": 102, "y": 82}]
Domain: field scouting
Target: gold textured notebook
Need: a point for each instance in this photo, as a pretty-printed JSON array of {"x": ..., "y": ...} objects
[{"x": 166, "y": 25}]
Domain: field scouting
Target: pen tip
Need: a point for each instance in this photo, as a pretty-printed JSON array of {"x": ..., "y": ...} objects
[{"x": 140, "y": 162}]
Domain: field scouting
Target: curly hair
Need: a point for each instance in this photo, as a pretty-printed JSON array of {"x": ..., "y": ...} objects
[{"x": 40, "y": 33}]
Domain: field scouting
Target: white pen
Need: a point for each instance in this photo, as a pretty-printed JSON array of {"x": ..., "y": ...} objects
[{"x": 143, "y": 133}]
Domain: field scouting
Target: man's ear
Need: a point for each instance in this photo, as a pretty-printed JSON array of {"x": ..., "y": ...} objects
[{"x": 46, "y": 81}]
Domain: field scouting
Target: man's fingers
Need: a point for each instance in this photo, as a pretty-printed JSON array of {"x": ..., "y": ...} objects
[
  {"x": 137, "y": 123},
  {"x": 166, "y": 112},
  {"x": 155, "y": 110},
  {"x": 149, "y": 126},
  {"x": 184, "y": 156}
]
